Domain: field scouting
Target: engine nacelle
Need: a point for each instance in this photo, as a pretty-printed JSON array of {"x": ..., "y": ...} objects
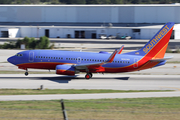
[{"x": 65, "y": 70}]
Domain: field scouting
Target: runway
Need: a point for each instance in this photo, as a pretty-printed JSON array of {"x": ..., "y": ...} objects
[{"x": 99, "y": 81}]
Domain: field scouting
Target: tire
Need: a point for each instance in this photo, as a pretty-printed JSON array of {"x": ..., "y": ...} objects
[
  {"x": 88, "y": 76},
  {"x": 26, "y": 73}
]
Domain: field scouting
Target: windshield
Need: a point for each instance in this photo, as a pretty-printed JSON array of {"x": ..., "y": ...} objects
[{"x": 19, "y": 55}]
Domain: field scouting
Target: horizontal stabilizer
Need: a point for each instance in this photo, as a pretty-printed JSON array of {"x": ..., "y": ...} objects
[{"x": 161, "y": 59}]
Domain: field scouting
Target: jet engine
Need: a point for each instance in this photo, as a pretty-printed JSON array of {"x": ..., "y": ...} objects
[{"x": 65, "y": 70}]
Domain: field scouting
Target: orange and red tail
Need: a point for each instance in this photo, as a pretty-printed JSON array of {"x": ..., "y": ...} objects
[{"x": 156, "y": 47}]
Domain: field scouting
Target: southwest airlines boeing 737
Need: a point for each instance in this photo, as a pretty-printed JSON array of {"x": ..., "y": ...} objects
[{"x": 71, "y": 62}]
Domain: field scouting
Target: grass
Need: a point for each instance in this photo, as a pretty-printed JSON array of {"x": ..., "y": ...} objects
[
  {"x": 104, "y": 109},
  {"x": 66, "y": 91}
]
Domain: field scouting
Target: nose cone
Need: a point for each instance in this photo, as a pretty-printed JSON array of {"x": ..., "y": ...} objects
[{"x": 10, "y": 60}]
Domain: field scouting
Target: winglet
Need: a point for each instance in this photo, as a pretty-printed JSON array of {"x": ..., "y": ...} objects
[
  {"x": 111, "y": 58},
  {"x": 120, "y": 49}
]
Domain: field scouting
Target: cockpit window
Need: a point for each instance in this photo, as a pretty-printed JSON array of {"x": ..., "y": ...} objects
[{"x": 19, "y": 55}]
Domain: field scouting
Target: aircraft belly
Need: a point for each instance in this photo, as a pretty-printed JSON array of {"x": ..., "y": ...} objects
[{"x": 39, "y": 65}]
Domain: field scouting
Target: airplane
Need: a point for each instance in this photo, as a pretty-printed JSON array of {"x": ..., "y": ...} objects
[{"x": 73, "y": 62}]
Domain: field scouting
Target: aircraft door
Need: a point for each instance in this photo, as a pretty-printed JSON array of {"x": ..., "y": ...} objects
[
  {"x": 31, "y": 56},
  {"x": 135, "y": 62}
]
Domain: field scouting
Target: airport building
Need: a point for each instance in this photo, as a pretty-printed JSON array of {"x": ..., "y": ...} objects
[{"x": 87, "y": 21}]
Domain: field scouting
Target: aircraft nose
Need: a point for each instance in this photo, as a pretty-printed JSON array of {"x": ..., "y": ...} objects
[{"x": 10, "y": 60}]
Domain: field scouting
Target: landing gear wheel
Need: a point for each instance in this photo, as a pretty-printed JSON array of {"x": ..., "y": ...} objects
[
  {"x": 88, "y": 76},
  {"x": 26, "y": 73},
  {"x": 91, "y": 74}
]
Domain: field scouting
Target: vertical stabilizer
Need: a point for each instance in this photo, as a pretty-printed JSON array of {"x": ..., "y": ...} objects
[{"x": 157, "y": 46}]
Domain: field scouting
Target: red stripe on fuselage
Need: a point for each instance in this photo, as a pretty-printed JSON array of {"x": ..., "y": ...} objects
[{"x": 41, "y": 65}]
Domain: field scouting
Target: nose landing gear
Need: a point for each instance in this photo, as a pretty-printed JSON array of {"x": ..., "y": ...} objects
[{"x": 26, "y": 73}]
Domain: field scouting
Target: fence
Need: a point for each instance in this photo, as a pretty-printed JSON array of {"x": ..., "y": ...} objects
[{"x": 106, "y": 109}]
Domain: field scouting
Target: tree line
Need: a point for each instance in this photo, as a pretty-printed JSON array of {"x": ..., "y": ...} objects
[
  {"x": 30, "y": 43},
  {"x": 88, "y": 1}
]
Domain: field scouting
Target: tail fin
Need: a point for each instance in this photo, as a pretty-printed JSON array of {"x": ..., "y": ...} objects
[{"x": 157, "y": 46}]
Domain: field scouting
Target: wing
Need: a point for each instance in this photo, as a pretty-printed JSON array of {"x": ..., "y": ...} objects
[{"x": 96, "y": 64}]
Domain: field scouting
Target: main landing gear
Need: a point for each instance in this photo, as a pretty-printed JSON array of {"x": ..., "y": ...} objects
[{"x": 88, "y": 75}]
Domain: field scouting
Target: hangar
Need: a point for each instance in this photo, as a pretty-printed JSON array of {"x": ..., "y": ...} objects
[{"x": 87, "y": 21}]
